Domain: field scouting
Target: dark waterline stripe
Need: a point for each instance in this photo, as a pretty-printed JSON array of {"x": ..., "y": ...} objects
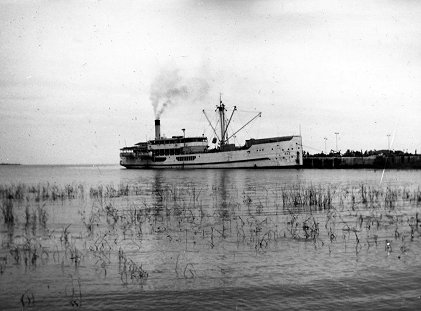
[{"x": 200, "y": 164}]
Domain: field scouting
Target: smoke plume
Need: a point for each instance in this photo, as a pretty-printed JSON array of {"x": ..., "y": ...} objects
[{"x": 170, "y": 88}]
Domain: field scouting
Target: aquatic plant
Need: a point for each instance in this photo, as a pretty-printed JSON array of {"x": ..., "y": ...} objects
[
  {"x": 116, "y": 225},
  {"x": 129, "y": 269},
  {"x": 27, "y": 299},
  {"x": 42, "y": 215},
  {"x": 75, "y": 295},
  {"x": 64, "y": 238},
  {"x": 7, "y": 211}
]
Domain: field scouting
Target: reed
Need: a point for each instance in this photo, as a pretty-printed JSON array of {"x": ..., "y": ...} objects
[
  {"x": 128, "y": 269},
  {"x": 114, "y": 220},
  {"x": 75, "y": 295},
  {"x": 42, "y": 215},
  {"x": 7, "y": 211},
  {"x": 27, "y": 299}
]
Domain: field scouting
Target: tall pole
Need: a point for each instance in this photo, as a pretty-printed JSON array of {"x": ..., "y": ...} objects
[
  {"x": 184, "y": 140},
  {"x": 325, "y": 145},
  {"x": 336, "y": 133},
  {"x": 388, "y": 142},
  {"x": 221, "y": 109}
]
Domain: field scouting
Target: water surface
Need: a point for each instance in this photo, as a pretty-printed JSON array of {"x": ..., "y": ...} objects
[{"x": 101, "y": 237}]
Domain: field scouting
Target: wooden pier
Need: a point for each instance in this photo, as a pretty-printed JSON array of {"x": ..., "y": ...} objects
[{"x": 380, "y": 162}]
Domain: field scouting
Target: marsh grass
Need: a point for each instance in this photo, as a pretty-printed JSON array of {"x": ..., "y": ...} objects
[
  {"x": 73, "y": 291},
  {"x": 42, "y": 192},
  {"x": 7, "y": 211},
  {"x": 130, "y": 270},
  {"x": 27, "y": 299},
  {"x": 116, "y": 220}
]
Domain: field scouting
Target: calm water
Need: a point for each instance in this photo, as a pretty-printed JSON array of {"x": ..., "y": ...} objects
[{"x": 101, "y": 237}]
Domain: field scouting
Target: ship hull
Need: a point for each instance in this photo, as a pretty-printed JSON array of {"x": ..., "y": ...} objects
[{"x": 281, "y": 154}]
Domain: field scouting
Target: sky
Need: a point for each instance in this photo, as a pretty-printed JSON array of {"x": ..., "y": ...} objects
[{"x": 81, "y": 79}]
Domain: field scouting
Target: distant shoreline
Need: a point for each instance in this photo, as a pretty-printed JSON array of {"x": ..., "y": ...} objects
[{"x": 24, "y": 164}]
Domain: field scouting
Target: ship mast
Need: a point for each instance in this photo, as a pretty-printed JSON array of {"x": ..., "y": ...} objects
[
  {"x": 221, "y": 109},
  {"x": 224, "y": 123}
]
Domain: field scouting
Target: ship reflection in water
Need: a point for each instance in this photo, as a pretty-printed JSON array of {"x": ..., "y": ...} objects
[{"x": 209, "y": 239}]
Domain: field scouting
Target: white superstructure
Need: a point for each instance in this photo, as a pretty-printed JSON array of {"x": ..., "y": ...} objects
[{"x": 194, "y": 152}]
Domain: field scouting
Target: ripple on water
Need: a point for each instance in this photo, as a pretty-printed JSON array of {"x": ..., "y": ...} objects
[{"x": 224, "y": 239}]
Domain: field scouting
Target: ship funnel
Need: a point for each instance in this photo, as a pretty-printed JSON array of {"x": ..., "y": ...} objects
[{"x": 157, "y": 129}]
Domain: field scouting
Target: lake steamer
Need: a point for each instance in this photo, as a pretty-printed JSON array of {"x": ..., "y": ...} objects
[{"x": 194, "y": 152}]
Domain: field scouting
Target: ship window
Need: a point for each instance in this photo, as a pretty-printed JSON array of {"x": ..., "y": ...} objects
[
  {"x": 186, "y": 158},
  {"x": 159, "y": 159}
]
